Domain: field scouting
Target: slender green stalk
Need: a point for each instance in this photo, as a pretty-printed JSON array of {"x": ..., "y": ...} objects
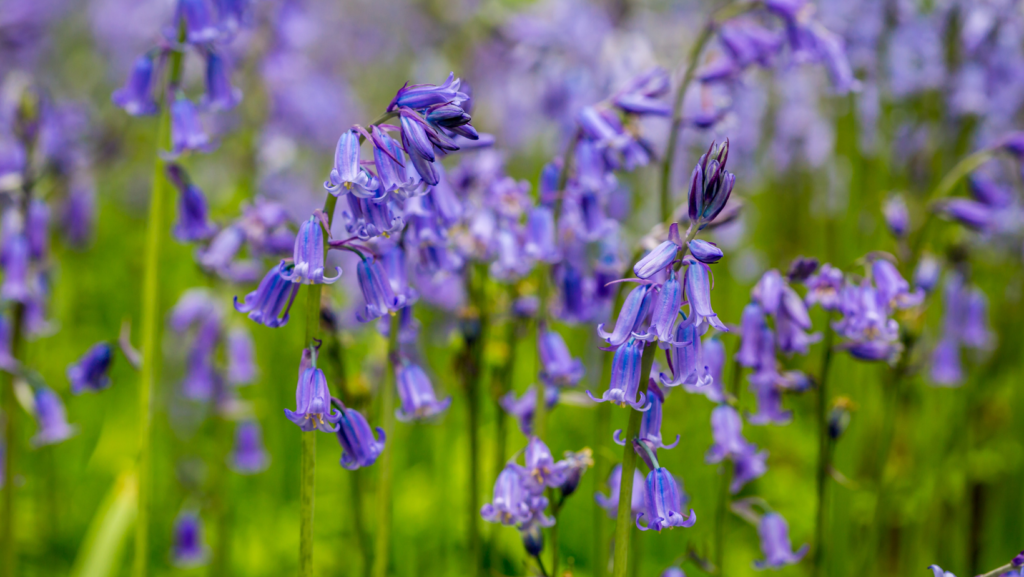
[
  {"x": 722, "y": 506},
  {"x": 155, "y": 233},
  {"x": 623, "y": 516},
  {"x": 220, "y": 559},
  {"x": 999, "y": 570},
  {"x": 7, "y": 538},
  {"x": 382, "y": 547},
  {"x": 825, "y": 450},
  {"x": 554, "y": 532},
  {"x": 473, "y": 371}
]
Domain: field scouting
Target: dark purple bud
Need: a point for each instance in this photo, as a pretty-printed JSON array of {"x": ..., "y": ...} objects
[
  {"x": 136, "y": 97},
  {"x": 188, "y": 549},
  {"x": 309, "y": 255},
  {"x": 663, "y": 503},
  {"x": 51, "y": 418},
  {"x": 1014, "y": 143},
  {"x": 414, "y": 136},
  {"x": 705, "y": 252},
  {"x": 775, "y": 544},
  {"x": 838, "y": 420},
  {"x": 420, "y": 96},
  {"x": 576, "y": 464},
  {"x": 448, "y": 116},
  {"x": 625, "y": 377},
  {"x": 192, "y": 222},
  {"x": 989, "y": 192},
  {"x": 416, "y": 394},
  {"x": 248, "y": 455},
  {"x": 611, "y": 502},
  {"x": 696, "y": 194},
  {"x": 186, "y": 130},
  {"x": 897, "y": 216},
  {"x": 91, "y": 372},
  {"x": 801, "y": 269},
  {"x": 269, "y": 304},
  {"x": 1018, "y": 560},
  {"x": 533, "y": 538},
  {"x": 558, "y": 367}
]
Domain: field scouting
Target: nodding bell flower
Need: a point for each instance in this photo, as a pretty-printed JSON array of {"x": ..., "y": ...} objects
[
  {"x": 710, "y": 185},
  {"x": 192, "y": 222},
  {"x": 897, "y": 216},
  {"x": 37, "y": 229},
  {"x": 347, "y": 175},
  {"x": 632, "y": 315},
  {"x": 377, "y": 292},
  {"x": 663, "y": 503},
  {"x": 368, "y": 218},
  {"x": 220, "y": 95},
  {"x": 656, "y": 260},
  {"x": 248, "y": 455},
  {"x": 14, "y": 257},
  {"x": 673, "y": 572},
  {"x": 188, "y": 550},
  {"x": 420, "y": 96},
  {"x": 576, "y": 465},
  {"x": 540, "y": 242},
  {"x": 768, "y": 291},
  {"x": 625, "y": 378},
  {"x": 541, "y": 470},
  {"x": 269, "y": 304},
  {"x": 91, "y": 372},
  {"x": 727, "y": 431},
  {"x": 136, "y": 97},
  {"x": 650, "y": 423},
  {"x": 705, "y": 251},
  {"x": 512, "y": 503},
  {"x": 775, "y": 544},
  {"x": 186, "y": 130},
  {"x": 926, "y": 276},
  {"x": 523, "y": 408},
  {"x": 417, "y": 394},
  {"x": 313, "y": 403},
  {"x": 747, "y": 467},
  {"x": 825, "y": 288},
  {"x": 892, "y": 289},
  {"x": 666, "y": 309},
  {"x": 640, "y": 97},
  {"x": 769, "y": 403},
  {"x": 241, "y": 356},
  {"x": 970, "y": 213},
  {"x": 309, "y": 256},
  {"x": 713, "y": 355},
  {"x": 559, "y": 368},
  {"x": 685, "y": 359},
  {"x": 752, "y": 325},
  {"x": 51, "y": 417},
  {"x": 698, "y": 292},
  {"x": 359, "y": 448},
  {"x": 611, "y": 502}
]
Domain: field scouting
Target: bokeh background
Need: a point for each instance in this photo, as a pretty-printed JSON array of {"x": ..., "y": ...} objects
[{"x": 937, "y": 80}]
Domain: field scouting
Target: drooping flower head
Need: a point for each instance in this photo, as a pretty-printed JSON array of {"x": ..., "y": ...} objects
[
  {"x": 248, "y": 455},
  {"x": 51, "y": 418},
  {"x": 359, "y": 448},
  {"x": 416, "y": 394},
  {"x": 189, "y": 549},
  {"x": 511, "y": 502},
  {"x": 663, "y": 503},
  {"x": 313, "y": 403},
  {"x": 91, "y": 372},
  {"x": 625, "y": 378},
  {"x": 559, "y": 368},
  {"x": 270, "y": 303},
  {"x": 775, "y": 544},
  {"x": 309, "y": 255}
]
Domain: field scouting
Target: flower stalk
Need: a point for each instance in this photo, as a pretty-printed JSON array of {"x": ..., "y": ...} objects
[
  {"x": 382, "y": 546},
  {"x": 825, "y": 451}
]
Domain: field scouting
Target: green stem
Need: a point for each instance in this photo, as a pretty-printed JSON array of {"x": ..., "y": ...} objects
[
  {"x": 473, "y": 371},
  {"x": 721, "y": 508},
  {"x": 10, "y": 448},
  {"x": 624, "y": 516},
  {"x": 221, "y": 504},
  {"x": 998, "y": 570},
  {"x": 382, "y": 547},
  {"x": 554, "y": 533},
  {"x": 155, "y": 233},
  {"x": 825, "y": 450}
]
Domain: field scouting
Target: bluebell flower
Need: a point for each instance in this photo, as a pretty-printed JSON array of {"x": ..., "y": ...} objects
[
  {"x": 186, "y": 131},
  {"x": 650, "y": 423},
  {"x": 751, "y": 323},
  {"x": 990, "y": 192},
  {"x": 633, "y": 313},
  {"x": 705, "y": 252},
  {"x": 656, "y": 260},
  {"x": 419, "y": 147},
  {"x": 347, "y": 175},
  {"x": 893, "y": 290},
  {"x": 541, "y": 470},
  {"x": 686, "y": 360},
  {"x": 775, "y": 544},
  {"x": 641, "y": 95},
  {"x": 576, "y": 464},
  {"x": 199, "y": 22},
  {"x": 233, "y": 13},
  {"x": 897, "y": 217},
  {"x": 727, "y": 431},
  {"x": 540, "y": 242},
  {"x": 713, "y": 355},
  {"x": 663, "y": 503},
  {"x": 219, "y": 255},
  {"x": 309, "y": 256},
  {"x": 37, "y": 229},
  {"x": 610, "y": 503},
  {"x": 625, "y": 378},
  {"x": 523, "y": 408},
  {"x": 14, "y": 257},
  {"x": 673, "y": 572},
  {"x": 747, "y": 467},
  {"x": 51, "y": 418},
  {"x": 188, "y": 549},
  {"x": 368, "y": 218},
  {"x": 194, "y": 306},
  {"x": 970, "y": 213},
  {"x": 666, "y": 309},
  {"x": 768, "y": 291},
  {"x": 926, "y": 275},
  {"x": 769, "y": 404},
  {"x": 91, "y": 372},
  {"x": 792, "y": 322},
  {"x": 359, "y": 448},
  {"x": 416, "y": 394},
  {"x": 192, "y": 222},
  {"x": 380, "y": 298},
  {"x": 202, "y": 381},
  {"x": 313, "y": 403},
  {"x": 136, "y": 97},
  {"x": 511, "y": 502},
  {"x": 698, "y": 292},
  {"x": 420, "y": 96},
  {"x": 271, "y": 302},
  {"x": 448, "y": 116},
  {"x": 558, "y": 368},
  {"x": 241, "y": 356},
  {"x": 248, "y": 455},
  {"x": 220, "y": 95},
  {"x": 748, "y": 42},
  {"x": 825, "y": 288}
]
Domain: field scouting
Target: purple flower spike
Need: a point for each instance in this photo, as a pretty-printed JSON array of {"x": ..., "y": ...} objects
[
  {"x": 698, "y": 292},
  {"x": 188, "y": 550},
  {"x": 358, "y": 446},
  {"x": 663, "y": 503},
  {"x": 91, "y": 371},
  {"x": 186, "y": 131},
  {"x": 775, "y": 544},
  {"x": 656, "y": 260},
  {"x": 269, "y": 304},
  {"x": 705, "y": 252},
  {"x": 241, "y": 356},
  {"x": 248, "y": 456},
  {"x": 634, "y": 311},
  {"x": 313, "y": 403},
  {"x": 625, "y": 378},
  {"x": 192, "y": 222},
  {"x": 650, "y": 424},
  {"x": 220, "y": 95},
  {"x": 510, "y": 505},
  {"x": 541, "y": 470},
  {"x": 51, "y": 417},
  {"x": 420, "y": 96},
  {"x": 309, "y": 255},
  {"x": 727, "y": 430},
  {"x": 666, "y": 309},
  {"x": 136, "y": 97},
  {"x": 377, "y": 292},
  {"x": 611, "y": 502},
  {"x": 747, "y": 467},
  {"x": 417, "y": 395},
  {"x": 347, "y": 175},
  {"x": 559, "y": 368},
  {"x": 523, "y": 407}
]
